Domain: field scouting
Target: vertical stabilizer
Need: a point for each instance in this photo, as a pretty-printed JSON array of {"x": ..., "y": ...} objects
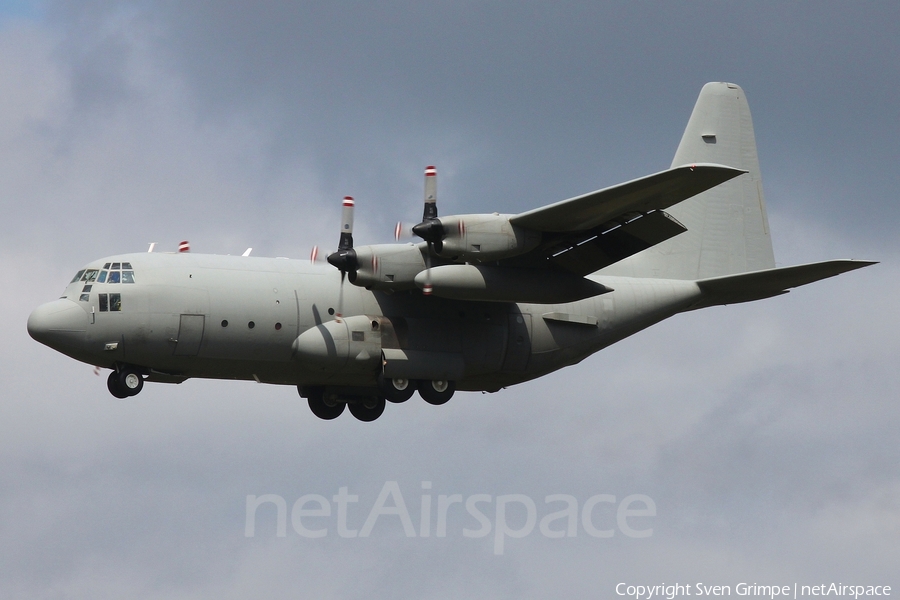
[{"x": 728, "y": 230}]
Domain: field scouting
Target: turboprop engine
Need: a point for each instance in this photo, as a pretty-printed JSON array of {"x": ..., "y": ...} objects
[{"x": 481, "y": 238}]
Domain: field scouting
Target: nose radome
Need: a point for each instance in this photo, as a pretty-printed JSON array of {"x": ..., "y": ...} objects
[{"x": 58, "y": 323}]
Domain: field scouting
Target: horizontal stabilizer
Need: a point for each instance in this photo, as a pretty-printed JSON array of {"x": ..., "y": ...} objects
[
  {"x": 653, "y": 192},
  {"x": 756, "y": 285}
]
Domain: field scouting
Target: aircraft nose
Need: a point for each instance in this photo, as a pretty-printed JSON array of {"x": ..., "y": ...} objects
[{"x": 58, "y": 324}]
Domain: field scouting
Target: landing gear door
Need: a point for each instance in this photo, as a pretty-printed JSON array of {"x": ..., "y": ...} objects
[
  {"x": 190, "y": 334},
  {"x": 518, "y": 345}
]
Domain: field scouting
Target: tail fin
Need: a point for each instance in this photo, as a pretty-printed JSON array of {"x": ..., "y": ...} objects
[{"x": 727, "y": 227}]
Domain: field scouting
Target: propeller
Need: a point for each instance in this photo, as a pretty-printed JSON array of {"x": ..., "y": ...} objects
[
  {"x": 430, "y": 229},
  {"x": 344, "y": 259}
]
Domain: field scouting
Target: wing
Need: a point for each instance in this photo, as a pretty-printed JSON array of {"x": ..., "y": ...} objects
[{"x": 589, "y": 232}]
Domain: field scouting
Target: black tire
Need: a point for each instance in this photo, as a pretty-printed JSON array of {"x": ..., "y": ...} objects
[
  {"x": 130, "y": 382},
  {"x": 368, "y": 409},
  {"x": 396, "y": 390},
  {"x": 112, "y": 384},
  {"x": 316, "y": 400},
  {"x": 436, "y": 392}
]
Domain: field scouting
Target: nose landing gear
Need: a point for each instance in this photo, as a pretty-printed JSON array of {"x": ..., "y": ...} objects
[{"x": 125, "y": 382}]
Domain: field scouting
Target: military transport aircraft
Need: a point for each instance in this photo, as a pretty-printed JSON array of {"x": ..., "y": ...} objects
[{"x": 483, "y": 302}]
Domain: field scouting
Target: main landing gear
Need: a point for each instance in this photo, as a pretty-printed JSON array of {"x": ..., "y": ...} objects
[
  {"x": 329, "y": 404},
  {"x": 125, "y": 382}
]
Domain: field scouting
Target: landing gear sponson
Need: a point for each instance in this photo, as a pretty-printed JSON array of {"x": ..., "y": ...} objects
[{"x": 328, "y": 403}]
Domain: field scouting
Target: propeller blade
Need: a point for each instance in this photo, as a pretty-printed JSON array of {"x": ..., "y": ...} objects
[
  {"x": 427, "y": 289},
  {"x": 340, "y": 306},
  {"x": 430, "y": 229},
  {"x": 344, "y": 258},
  {"x": 347, "y": 224},
  {"x": 430, "y": 211}
]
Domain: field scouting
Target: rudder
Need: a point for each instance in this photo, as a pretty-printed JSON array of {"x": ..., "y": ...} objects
[{"x": 728, "y": 229}]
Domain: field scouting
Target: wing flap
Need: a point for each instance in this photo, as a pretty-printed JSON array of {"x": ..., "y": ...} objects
[
  {"x": 653, "y": 192},
  {"x": 583, "y": 256}
]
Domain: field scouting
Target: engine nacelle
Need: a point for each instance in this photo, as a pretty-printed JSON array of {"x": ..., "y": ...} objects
[
  {"x": 483, "y": 238},
  {"x": 388, "y": 266}
]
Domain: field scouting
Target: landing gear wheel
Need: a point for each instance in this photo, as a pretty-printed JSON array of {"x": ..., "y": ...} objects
[
  {"x": 130, "y": 382},
  {"x": 436, "y": 392},
  {"x": 114, "y": 387},
  {"x": 322, "y": 409},
  {"x": 368, "y": 409},
  {"x": 396, "y": 390}
]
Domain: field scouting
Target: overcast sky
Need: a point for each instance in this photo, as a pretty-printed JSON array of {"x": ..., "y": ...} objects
[{"x": 765, "y": 434}]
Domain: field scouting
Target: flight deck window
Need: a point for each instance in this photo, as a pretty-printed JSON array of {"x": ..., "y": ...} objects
[
  {"x": 90, "y": 275},
  {"x": 114, "y": 277},
  {"x": 102, "y": 277},
  {"x": 77, "y": 276},
  {"x": 126, "y": 265},
  {"x": 104, "y": 302},
  {"x": 85, "y": 298},
  {"x": 115, "y": 302},
  {"x": 106, "y": 266},
  {"x": 115, "y": 266},
  {"x": 127, "y": 276}
]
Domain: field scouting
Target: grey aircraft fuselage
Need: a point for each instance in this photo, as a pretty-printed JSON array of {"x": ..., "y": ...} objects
[
  {"x": 234, "y": 317},
  {"x": 483, "y": 302}
]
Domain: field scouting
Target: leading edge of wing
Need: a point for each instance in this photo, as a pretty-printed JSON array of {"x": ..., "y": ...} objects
[{"x": 653, "y": 192}]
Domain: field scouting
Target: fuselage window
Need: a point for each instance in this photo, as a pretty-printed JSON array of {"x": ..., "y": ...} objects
[
  {"x": 115, "y": 302},
  {"x": 114, "y": 277},
  {"x": 78, "y": 276},
  {"x": 127, "y": 276},
  {"x": 104, "y": 303}
]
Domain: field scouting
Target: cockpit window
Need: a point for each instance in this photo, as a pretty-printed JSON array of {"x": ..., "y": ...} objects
[
  {"x": 110, "y": 302},
  {"x": 126, "y": 265},
  {"x": 127, "y": 276},
  {"x": 90, "y": 275},
  {"x": 106, "y": 266},
  {"x": 114, "y": 277},
  {"x": 77, "y": 276},
  {"x": 115, "y": 266},
  {"x": 102, "y": 277}
]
